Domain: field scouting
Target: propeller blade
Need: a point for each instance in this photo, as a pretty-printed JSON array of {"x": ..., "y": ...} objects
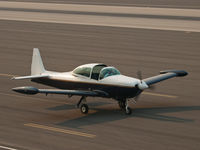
[{"x": 139, "y": 74}]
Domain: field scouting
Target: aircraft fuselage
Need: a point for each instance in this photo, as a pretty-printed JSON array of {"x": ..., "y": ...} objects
[{"x": 115, "y": 90}]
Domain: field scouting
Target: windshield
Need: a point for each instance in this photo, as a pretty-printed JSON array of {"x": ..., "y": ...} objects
[
  {"x": 84, "y": 71},
  {"x": 108, "y": 71}
]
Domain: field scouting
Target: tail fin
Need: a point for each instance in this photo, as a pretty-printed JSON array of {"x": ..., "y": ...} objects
[{"x": 37, "y": 66}]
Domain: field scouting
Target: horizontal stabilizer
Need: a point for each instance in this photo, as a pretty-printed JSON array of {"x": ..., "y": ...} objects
[{"x": 30, "y": 77}]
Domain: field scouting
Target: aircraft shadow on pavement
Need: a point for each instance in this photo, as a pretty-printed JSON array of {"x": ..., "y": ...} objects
[
  {"x": 102, "y": 115},
  {"x": 72, "y": 106}
]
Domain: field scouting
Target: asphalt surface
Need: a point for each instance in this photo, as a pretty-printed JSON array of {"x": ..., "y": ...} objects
[
  {"x": 52, "y": 122},
  {"x": 140, "y": 3},
  {"x": 114, "y": 16}
]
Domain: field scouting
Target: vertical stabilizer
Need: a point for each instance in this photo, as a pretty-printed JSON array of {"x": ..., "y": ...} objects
[{"x": 37, "y": 66}]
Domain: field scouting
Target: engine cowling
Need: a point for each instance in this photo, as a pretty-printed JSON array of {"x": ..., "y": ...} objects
[{"x": 142, "y": 85}]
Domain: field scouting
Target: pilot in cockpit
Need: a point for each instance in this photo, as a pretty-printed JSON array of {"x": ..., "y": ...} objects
[{"x": 109, "y": 72}]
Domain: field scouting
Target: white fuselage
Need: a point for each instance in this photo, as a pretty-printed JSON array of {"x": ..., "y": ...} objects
[{"x": 117, "y": 86}]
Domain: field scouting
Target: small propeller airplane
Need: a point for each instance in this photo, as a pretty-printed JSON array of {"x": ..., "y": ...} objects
[{"x": 91, "y": 80}]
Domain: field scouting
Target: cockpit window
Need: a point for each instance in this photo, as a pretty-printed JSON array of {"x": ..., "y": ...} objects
[
  {"x": 84, "y": 71},
  {"x": 96, "y": 71},
  {"x": 108, "y": 71}
]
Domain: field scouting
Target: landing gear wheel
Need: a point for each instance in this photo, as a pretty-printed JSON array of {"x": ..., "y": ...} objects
[
  {"x": 128, "y": 111},
  {"x": 84, "y": 108},
  {"x": 122, "y": 105}
]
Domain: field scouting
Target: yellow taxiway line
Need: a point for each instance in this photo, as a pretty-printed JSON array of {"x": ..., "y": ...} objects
[
  {"x": 7, "y": 75},
  {"x": 60, "y": 130},
  {"x": 161, "y": 95},
  {"x": 8, "y": 148}
]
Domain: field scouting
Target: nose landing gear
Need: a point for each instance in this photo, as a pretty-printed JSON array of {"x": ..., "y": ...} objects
[{"x": 123, "y": 104}]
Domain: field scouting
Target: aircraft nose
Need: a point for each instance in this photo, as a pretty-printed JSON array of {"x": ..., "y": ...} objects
[{"x": 142, "y": 85}]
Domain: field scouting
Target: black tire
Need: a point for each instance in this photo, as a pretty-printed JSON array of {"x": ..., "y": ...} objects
[
  {"x": 84, "y": 108},
  {"x": 128, "y": 111}
]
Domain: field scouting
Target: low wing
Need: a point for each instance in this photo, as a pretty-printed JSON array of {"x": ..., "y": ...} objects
[
  {"x": 74, "y": 92},
  {"x": 33, "y": 90},
  {"x": 164, "y": 75},
  {"x": 30, "y": 77}
]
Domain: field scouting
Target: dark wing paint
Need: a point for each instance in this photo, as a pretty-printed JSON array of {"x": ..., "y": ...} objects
[
  {"x": 96, "y": 93},
  {"x": 164, "y": 75},
  {"x": 33, "y": 90}
]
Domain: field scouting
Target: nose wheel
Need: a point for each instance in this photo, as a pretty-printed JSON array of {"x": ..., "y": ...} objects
[
  {"x": 123, "y": 104},
  {"x": 128, "y": 111}
]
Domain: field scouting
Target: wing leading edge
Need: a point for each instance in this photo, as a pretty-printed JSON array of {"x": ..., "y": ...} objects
[
  {"x": 164, "y": 75},
  {"x": 32, "y": 90}
]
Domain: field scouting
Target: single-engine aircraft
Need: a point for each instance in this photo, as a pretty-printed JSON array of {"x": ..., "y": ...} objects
[{"x": 95, "y": 80}]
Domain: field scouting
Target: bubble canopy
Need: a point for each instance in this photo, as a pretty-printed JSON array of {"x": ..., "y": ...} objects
[
  {"x": 108, "y": 71},
  {"x": 95, "y": 71}
]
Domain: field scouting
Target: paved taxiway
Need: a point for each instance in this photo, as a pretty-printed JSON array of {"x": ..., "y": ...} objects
[
  {"x": 141, "y": 3},
  {"x": 115, "y": 16},
  {"x": 166, "y": 120}
]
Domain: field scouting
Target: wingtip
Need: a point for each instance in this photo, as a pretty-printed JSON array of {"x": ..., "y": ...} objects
[
  {"x": 179, "y": 73},
  {"x": 26, "y": 90}
]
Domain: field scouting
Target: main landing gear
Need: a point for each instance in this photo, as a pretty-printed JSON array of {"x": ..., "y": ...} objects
[
  {"x": 84, "y": 107},
  {"x": 123, "y": 104}
]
